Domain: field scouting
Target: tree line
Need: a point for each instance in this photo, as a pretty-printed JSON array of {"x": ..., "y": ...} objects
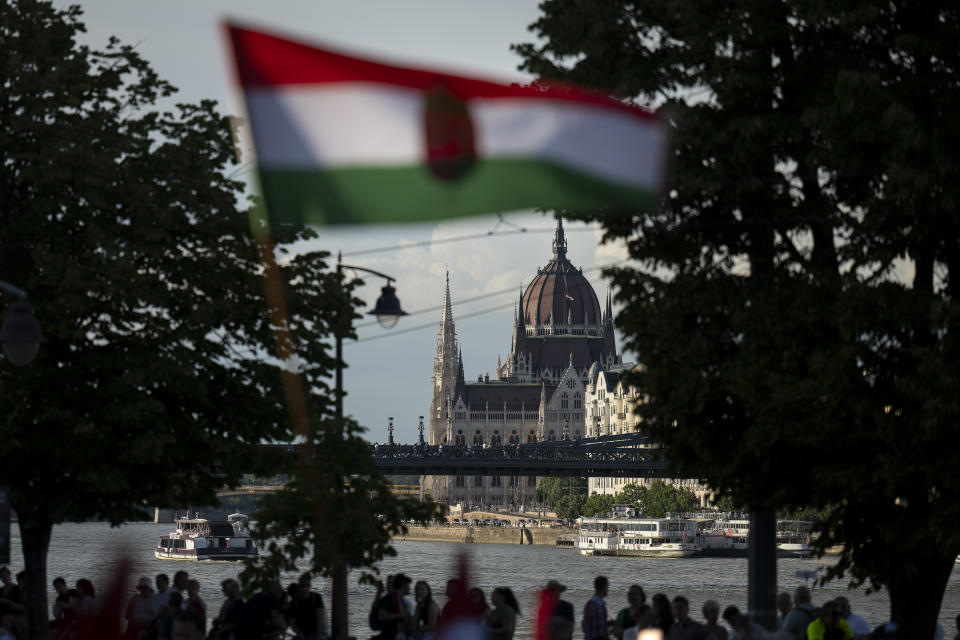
[{"x": 568, "y": 498}]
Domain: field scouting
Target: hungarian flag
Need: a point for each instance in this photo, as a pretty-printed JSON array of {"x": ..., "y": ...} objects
[{"x": 343, "y": 140}]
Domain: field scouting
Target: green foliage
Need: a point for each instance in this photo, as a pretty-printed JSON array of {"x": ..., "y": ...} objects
[
  {"x": 347, "y": 515},
  {"x": 570, "y": 506},
  {"x": 790, "y": 360},
  {"x": 633, "y": 494},
  {"x": 662, "y": 498},
  {"x": 156, "y": 383},
  {"x": 598, "y": 505},
  {"x": 552, "y": 490}
]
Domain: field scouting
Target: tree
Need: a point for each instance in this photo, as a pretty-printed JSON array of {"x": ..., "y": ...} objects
[
  {"x": 570, "y": 506},
  {"x": 598, "y": 505},
  {"x": 633, "y": 494},
  {"x": 662, "y": 498},
  {"x": 551, "y": 490},
  {"x": 154, "y": 385},
  {"x": 785, "y": 361}
]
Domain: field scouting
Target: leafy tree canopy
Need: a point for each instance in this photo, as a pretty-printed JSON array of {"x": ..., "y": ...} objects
[
  {"x": 156, "y": 383},
  {"x": 790, "y": 357},
  {"x": 598, "y": 505}
]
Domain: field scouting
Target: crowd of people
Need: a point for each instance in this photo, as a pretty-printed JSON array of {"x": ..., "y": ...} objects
[
  {"x": 395, "y": 616},
  {"x": 161, "y": 610}
]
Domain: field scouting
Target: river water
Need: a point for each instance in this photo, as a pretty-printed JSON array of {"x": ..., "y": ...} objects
[{"x": 89, "y": 550}]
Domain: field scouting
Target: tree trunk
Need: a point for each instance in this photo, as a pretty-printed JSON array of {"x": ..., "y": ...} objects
[
  {"x": 339, "y": 624},
  {"x": 35, "y": 537},
  {"x": 915, "y": 604}
]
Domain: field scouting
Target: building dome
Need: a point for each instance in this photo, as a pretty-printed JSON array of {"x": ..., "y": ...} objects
[{"x": 560, "y": 294}]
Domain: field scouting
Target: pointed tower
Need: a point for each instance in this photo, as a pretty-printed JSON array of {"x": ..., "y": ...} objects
[
  {"x": 609, "y": 337},
  {"x": 446, "y": 365}
]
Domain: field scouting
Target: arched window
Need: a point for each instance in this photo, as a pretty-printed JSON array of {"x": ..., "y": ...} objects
[
  {"x": 564, "y": 401},
  {"x": 532, "y": 436},
  {"x": 477, "y": 439},
  {"x": 576, "y": 434},
  {"x": 514, "y": 438},
  {"x": 495, "y": 440},
  {"x": 577, "y": 401},
  {"x": 552, "y": 436},
  {"x": 461, "y": 439}
]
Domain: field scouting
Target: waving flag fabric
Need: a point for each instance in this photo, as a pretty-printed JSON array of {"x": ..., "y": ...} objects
[{"x": 345, "y": 140}]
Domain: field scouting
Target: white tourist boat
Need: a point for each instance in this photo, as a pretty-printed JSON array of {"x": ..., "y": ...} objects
[
  {"x": 201, "y": 539},
  {"x": 722, "y": 535},
  {"x": 793, "y": 538},
  {"x": 639, "y": 537}
]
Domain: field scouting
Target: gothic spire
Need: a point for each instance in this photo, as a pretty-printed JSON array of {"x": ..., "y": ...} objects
[
  {"x": 608, "y": 312},
  {"x": 446, "y": 319},
  {"x": 559, "y": 241}
]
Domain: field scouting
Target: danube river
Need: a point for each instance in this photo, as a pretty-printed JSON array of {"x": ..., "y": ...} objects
[{"x": 89, "y": 551}]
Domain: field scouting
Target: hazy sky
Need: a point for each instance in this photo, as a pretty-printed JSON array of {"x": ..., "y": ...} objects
[{"x": 388, "y": 371}]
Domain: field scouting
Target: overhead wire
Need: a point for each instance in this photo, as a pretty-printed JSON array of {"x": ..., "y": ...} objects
[{"x": 459, "y": 317}]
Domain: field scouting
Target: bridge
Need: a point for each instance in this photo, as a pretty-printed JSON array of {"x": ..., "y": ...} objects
[{"x": 618, "y": 456}]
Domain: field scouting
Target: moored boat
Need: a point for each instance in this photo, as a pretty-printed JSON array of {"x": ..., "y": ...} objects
[
  {"x": 639, "y": 537},
  {"x": 201, "y": 539}
]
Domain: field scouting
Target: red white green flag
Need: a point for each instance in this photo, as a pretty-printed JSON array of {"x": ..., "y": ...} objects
[{"x": 343, "y": 140}]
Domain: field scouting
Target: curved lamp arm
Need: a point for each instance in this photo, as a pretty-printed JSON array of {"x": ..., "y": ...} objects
[{"x": 12, "y": 290}]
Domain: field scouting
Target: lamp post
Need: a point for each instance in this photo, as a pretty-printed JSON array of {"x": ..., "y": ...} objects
[
  {"x": 387, "y": 311},
  {"x": 20, "y": 334}
]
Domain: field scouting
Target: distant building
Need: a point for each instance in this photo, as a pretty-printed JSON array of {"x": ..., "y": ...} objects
[
  {"x": 560, "y": 379},
  {"x": 611, "y": 410},
  {"x": 559, "y": 333}
]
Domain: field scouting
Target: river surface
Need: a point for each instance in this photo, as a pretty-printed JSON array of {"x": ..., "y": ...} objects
[{"x": 89, "y": 550}]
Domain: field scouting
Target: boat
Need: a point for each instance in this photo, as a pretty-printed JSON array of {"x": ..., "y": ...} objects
[
  {"x": 724, "y": 535},
  {"x": 673, "y": 537},
  {"x": 197, "y": 538},
  {"x": 793, "y": 538}
]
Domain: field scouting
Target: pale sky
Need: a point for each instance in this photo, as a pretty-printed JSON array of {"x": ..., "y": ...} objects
[{"x": 388, "y": 371}]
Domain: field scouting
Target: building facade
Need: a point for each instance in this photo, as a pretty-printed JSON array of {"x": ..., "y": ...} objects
[
  {"x": 611, "y": 410},
  {"x": 559, "y": 335},
  {"x": 561, "y": 378}
]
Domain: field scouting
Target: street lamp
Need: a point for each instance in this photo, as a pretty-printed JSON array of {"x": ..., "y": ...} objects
[
  {"x": 387, "y": 311},
  {"x": 20, "y": 334}
]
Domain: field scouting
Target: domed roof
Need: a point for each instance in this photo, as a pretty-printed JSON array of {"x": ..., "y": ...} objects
[{"x": 560, "y": 294}]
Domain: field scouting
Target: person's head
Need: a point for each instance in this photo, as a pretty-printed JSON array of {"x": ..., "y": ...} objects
[
  {"x": 230, "y": 588},
  {"x": 711, "y": 611},
  {"x": 556, "y": 588},
  {"x": 292, "y": 593},
  {"x": 681, "y": 608},
  {"x": 601, "y": 585},
  {"x": 801, "y": 595},
  {"x": 453, "y": 584},
  {"x": 503, "y": 597},
  {"x": 784, "y": 603},
  {"x": 187, "y": 625},
  {"x": 734, "y": 618},
  {"x": 275, "y": 590},
  {"x": 830, "y": 614},
  {"x": 477, "y": 599},
  {"x": 180, "y": 580},
  {"x": 5, "y": 576},
  {"x": 422, "y": 591},
  {"x": 844, "y": 605},
  {"x": 636, "y": 596},
  {"x": 60, "y": 586},
  {"x": 401, "y": 584},
  {"x": 144, "y": 587},
  {"x": 175, "y": 601},
  {"x": 162, "y": 582},
  {"x": 305, "y": 584},
  {"x": 193, "y": 588},
  {"x": 85, "y": 588}
]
